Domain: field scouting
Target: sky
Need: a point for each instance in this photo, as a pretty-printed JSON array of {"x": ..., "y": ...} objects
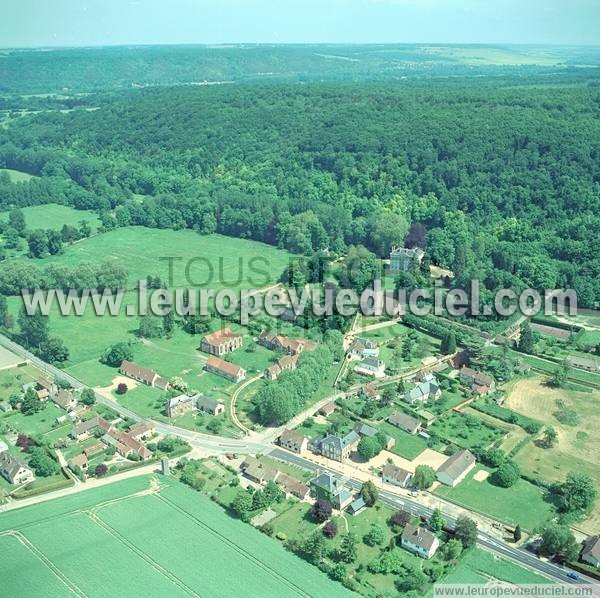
[{"x": 38, "y": 23}]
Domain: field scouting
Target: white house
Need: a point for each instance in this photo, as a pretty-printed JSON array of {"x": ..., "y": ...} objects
[
  {"x": 371, "y": 366},
  {"x": 419, "y": 541}
]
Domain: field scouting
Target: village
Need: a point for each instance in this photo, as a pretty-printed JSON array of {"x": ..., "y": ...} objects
[{"x": 411, "y": 411}]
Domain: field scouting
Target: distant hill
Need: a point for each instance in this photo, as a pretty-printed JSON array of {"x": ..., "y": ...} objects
[{"x": 70, "y": 71}]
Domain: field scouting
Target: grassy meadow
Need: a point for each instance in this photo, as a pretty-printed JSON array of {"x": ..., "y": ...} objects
[
  {"x": 522, "y": 504},
  {"x": 54, "y": 216}
]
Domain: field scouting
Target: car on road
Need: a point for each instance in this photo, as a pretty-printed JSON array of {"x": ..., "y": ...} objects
[{"x": 572, "y": 575}]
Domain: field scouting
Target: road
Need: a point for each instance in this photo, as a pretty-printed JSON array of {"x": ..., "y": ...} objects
[
  {"x": 520, "y": 555},
  {"x": 205, "y": 442},
  {"x": 236, "y": 394}
]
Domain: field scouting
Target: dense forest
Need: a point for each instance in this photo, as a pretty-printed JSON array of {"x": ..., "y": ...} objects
[{"x": 503, "y": 183}]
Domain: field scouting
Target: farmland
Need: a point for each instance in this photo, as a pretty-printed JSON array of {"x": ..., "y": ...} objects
[
  {"x": 574, "y": 416},
  {"x": 135, "y": 529}
]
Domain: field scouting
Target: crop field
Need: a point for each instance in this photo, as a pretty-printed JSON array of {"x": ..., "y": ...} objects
[
  {"x": 522, "y": 503},
  {"x": 146, "y": 535},
  {"x": 576, "y": 417},
  {"x": 54, "y": 216}
]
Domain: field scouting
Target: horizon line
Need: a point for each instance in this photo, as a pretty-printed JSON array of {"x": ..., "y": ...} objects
[{"x": 307, "y": 44}]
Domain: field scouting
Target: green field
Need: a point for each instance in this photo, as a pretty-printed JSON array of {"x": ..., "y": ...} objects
[
  {"x": 523, "y": 503},
  {"x": 480, "y": 567},
  {"x": 465, "y": 431},
  {"x": 152, "y": 537},
  {"x": 407, "y": 445},
  {"x": 221, "y": 262},
  {"x": 210, "y": 261},
  {"x": 54, "y": 216},
  {"x": 16, "y": 176}
]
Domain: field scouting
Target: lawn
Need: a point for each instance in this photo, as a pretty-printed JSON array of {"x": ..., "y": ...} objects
[
  {"x": 523, "y": 503},
  {"x": 407, "y": 445},
  {"x": 72, "y": 542},
  {"x": 40, "y": 423},
  {"x": 480, "y": 567},
  {"x": 11, "y": 380}
]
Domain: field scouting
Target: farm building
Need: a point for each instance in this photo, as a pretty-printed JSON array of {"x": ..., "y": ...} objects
[
  {"x": 144, "y": 375},
  {"x": 221, "y": 342},
  {"x": 455, "y": 468},
  {"x": 404, "y": 422},
  {"x": 223, "y": 368}
]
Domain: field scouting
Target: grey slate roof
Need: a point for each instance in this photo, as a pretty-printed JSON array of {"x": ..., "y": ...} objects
[
  {"x": 206, "y": 403},
  {"x": 457, "y": 464},
  {"x": 591, "y": 547},
  {"x": 328, "y": 481},
  {"x": 404, "y": 421},
  {"x": 418, "y": 536},
  {"x": 10, "y": 465}
]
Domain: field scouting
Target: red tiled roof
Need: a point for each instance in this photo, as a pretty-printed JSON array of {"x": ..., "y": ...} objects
[
  {"x": 224, "y": 366},
  {"x": 219, "y": 336}
]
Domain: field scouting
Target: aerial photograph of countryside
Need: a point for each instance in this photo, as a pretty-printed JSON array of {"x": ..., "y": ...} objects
[{"x": 299, "y": 298}]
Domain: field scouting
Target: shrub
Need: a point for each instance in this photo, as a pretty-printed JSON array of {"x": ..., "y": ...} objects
[{"x": 101, "y": 470}]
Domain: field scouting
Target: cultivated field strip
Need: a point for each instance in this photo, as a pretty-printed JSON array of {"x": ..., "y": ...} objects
[
  {"x": 295, "y": 588},
  {"x": 131, "y": 546},
  {"x": 72, "y": 586}
]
